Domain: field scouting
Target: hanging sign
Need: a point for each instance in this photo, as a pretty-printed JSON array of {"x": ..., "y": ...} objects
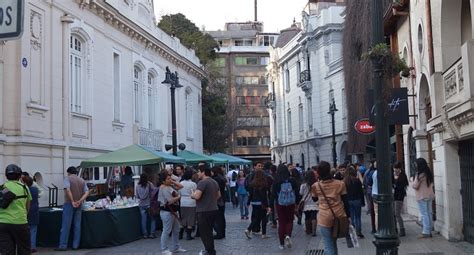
[{"x": 363, "y": 126}]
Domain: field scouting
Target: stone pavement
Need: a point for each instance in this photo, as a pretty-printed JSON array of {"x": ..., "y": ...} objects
[{"x": 236, "y": 243}]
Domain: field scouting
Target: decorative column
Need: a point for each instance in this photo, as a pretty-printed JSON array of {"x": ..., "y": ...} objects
[{"x": 66, "y": 20}]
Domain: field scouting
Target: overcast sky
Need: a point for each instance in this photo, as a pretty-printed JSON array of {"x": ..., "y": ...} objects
[{"x": 276, "y": 14}]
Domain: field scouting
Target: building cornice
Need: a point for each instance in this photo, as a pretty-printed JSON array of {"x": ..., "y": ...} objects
[{"x": 128, "y": 27}]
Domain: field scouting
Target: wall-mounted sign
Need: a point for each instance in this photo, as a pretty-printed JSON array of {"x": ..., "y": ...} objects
[
  {"x": 397, "y": 106},
  {"x": 11, "y": 19},
  {"x": 24, "y": 62},
  {"x": 363, "y": 126}
]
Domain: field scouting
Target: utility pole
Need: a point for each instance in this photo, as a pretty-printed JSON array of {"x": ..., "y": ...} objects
[
  {"x": 386, "y": 239},
  {"x": 256, "y": 17}
]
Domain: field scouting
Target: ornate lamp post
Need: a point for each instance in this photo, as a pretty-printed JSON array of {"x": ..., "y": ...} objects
[
  {"x": 173, "y": 80},
  {"x": 386, "y": 239},
  {"x": 332, "y": 111}
]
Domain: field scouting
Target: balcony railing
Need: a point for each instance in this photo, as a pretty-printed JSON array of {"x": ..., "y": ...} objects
[
  {"x": 150, "y": 138},
  {"x": 305, "y": 81},
  {"x": 270, "y": 101}
]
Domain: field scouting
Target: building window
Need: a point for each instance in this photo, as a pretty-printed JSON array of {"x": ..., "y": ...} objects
[
  {"x": 189, "y": 114},
  {"x": 243, "y": 42},
  {"x": 420, "y": 39},
  {"x": 287, "y": 80},
  {"x": 253, "y": 121},
  {"x": 137, "y": 85},
  {"x": 151, "y": 101},
  {"x": 246, "y": 60},
  {"x": 310, "y": 112},
  {"x": 251, "y": 80},
  {"x": 264, "y": 61},
  {"x": 300, "y": 117},
  {"x": 267, "y": 40},
  {"x": 298, "y": 71},
  {"x": 77, "y": 73},
  {"x": 117, "y": 87},
  {"x": 219, "y": 62},
  {"x": 289, "y": 123}
]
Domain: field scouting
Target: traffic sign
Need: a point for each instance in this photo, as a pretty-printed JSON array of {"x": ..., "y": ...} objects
[{"x": 11, "y": 19}]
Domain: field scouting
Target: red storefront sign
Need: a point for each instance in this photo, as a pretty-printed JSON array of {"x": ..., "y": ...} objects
[{"x": 363, "y": 127}]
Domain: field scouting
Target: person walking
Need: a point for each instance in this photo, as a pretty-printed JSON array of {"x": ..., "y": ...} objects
[
  {"x": 310, "y": 207},
  {"x": 33, "y": 212},
  {"x": 243, "y": 196},
  {"x": 144, "y": 192},
  {"x": 259, "y": 196},
  {"x": 423, "y": 185},
  {"x": 169, "y": 205},
  {"x": 296, "y": 175},
  {"x": 75, "y": 193},
  {"x": 400, "y": 184},
  {"x": 284, "y": 190},
  {"x": 368, "y": 194},
  {"x": 232, "y": 177},
  {"x": 188, "y": 205},
  {"x": 220, "y": 225},
  {"x": 14, "y": 230},
  {"x": 375, "y": 193},
  {"x": 331, "y": 195},
  {"x": 355, "y": 197},
  {"x": 206, "y": 196}
]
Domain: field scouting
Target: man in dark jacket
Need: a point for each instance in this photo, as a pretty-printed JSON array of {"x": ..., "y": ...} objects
[{"x": 220, "y": 225}]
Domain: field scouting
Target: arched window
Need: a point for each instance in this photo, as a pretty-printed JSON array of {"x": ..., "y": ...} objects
[
  {"x": 151, "y": 101},
  {"x": 137, "y": 85},
  {"x": 77, "y": 73}
]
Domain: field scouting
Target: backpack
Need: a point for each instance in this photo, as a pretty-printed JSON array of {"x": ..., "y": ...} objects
[
  {"x": 234, "y": 176},
  {"x": 154, "y": 209},
  {"x": 7, "y": 197},
  {"x": 286, "y": 196}
]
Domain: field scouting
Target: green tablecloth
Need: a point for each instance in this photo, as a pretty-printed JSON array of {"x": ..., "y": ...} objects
[{"x": 101, "y": 228}]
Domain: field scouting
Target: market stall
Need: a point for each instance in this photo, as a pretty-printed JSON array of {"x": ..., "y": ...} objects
[
  {"x": 105, "y": 222},
  {"x": 193, "y": 158},
  {"x": 232, "y": 159}
]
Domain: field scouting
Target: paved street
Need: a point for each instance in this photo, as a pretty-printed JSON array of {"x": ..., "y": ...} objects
[{"x": 236, "y": 243}]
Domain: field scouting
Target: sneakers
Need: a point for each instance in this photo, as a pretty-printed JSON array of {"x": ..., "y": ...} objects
[
  {"x": 257, "y": 233},
  {"x": 166, "y": 252},
  {"x": 281, "y": 247},
  {"x": 265, "y": 236},
  {"x": 180, "y": 250},
  {"x": 288, "y": 242},
  {"x": 424, "y": 236},
  {"x": 203, "y": 252},
  {"x": 247, "y": 234}
]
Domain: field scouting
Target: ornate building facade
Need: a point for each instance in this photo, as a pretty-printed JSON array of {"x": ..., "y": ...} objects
[
  {"x": 85, "y": 78},
  {"x": 305, "y": 77}
]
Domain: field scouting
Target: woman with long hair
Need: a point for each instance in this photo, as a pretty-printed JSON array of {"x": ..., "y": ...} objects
[
  {"x": 355, "y": 196},
  {"x": 285, "y": 191},
  {"x": 331, "y": 195},
  {"x": 169, "y": 198},
  {"x": 310, "y": 208},
  {"x": 259, "y": 194},
  {"x": 188, "y": 205},
  {"x": 400, "y": 184},
  {"x": 243, "y": 196},
  {"x": 143, "y": 193},
  {"x": 423, "y": 185}
]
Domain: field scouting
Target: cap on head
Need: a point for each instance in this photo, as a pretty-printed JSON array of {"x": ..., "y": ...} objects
[{"x": 13, "y": 169}]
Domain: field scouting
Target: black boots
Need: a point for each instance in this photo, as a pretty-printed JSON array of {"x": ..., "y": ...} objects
[
  {"x": 308, "y": 227},
  {"x": 188, "y": 234},
  {"x": 181, "y": 232}
]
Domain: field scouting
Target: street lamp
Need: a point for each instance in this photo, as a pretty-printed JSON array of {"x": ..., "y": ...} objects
[
  {"x": 332, "y": 111},
  {"x": 173, "y": 80},
  {"x": 386, "y": 239}
]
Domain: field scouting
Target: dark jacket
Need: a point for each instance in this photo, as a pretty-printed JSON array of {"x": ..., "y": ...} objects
[
  {"x": 400, "y": 189},
  {"x": 261, "y": 195},
  {"x": 277, "y": 187},
  {"x": 221, "y": 181},
  {"x": 354, "y": 190},
  {"x": 33, "y": 213}
]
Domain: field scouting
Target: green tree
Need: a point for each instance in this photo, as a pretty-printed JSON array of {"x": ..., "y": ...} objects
[{"x": 216, "y": 114}]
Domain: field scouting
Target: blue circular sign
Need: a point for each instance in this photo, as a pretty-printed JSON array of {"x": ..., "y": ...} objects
[{"x": 24, "y": 62}]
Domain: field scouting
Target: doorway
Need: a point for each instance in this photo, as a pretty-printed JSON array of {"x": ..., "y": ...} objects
[{"x": 466, "y": 159}]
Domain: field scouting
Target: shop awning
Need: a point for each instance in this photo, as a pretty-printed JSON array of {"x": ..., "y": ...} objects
[
  {"x": 232, "y": 159},
  {"x": 194, "y": 158},
  {"x": 133, "y": 155}
]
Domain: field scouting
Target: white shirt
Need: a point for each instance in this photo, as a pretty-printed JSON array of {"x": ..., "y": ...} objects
[
  {"x": 229, "y": 177},
  {"x": 188, "y": 188}
]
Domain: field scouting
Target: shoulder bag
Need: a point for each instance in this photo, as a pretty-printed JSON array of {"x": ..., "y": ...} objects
[{"x": 340, "y": 228}]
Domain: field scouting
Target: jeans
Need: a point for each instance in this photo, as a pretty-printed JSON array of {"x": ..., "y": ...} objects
[
  {"x": 14, "y": 237},
  {"x": 244, "y": 210},
  {"x": 72, "y": 216},
  {"x": 259, "y": 217},
  {"x": 205, "y": 223},
  {"x": 330, "y": 243},
  {"x": 144, "y": 219},
  {"x": 426, "y": 212},
  {"x": 398, "y": 214},
  {"x": 355, "y": 208},
  {"x": 170, "y": 225},
  {"x": 33, "y": 231},
  {"x": 285, "y": 221}
]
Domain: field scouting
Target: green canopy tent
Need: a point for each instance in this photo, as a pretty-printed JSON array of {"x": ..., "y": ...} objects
[
  {"x": 132, "y": 155},
  {"x": 194, "y": 158},
  {"x": 232, "y": 159}
]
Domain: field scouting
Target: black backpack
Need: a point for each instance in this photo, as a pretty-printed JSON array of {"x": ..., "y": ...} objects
[
  {"x": 7, "y": 197},
  {"x": 234, "y": 176}
]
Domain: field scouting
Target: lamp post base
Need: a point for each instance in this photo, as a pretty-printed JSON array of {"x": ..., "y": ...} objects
[{"x": 386, "y": 246}]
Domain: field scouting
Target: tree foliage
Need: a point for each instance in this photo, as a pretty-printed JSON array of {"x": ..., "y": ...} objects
[
  {"x": 216, "y": 117},
  {"x": 188, "y": 33}
]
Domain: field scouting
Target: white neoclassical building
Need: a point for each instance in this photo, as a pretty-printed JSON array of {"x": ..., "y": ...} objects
[
  {"x": 305, "y": 75},
  {"x": 86, "y": 78}
]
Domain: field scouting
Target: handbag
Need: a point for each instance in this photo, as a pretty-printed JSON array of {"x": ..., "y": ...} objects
[
  {"x": 340, "y": 228},
  {"x": 301, "y": 204}
]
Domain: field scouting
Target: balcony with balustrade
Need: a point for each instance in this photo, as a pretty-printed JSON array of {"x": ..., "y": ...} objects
[
  {"x": 152, "y": 139},
  {"x": 305, "y": 82}
]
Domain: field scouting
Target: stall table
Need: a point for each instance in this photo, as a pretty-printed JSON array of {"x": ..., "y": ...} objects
[{"x": 99, "y": 228}]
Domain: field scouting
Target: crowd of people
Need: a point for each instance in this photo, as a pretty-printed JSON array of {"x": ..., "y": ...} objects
[{"x": 191, "y": 201}]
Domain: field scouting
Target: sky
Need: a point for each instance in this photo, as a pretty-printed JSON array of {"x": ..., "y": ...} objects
[{"x": 213, "y": 14}]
